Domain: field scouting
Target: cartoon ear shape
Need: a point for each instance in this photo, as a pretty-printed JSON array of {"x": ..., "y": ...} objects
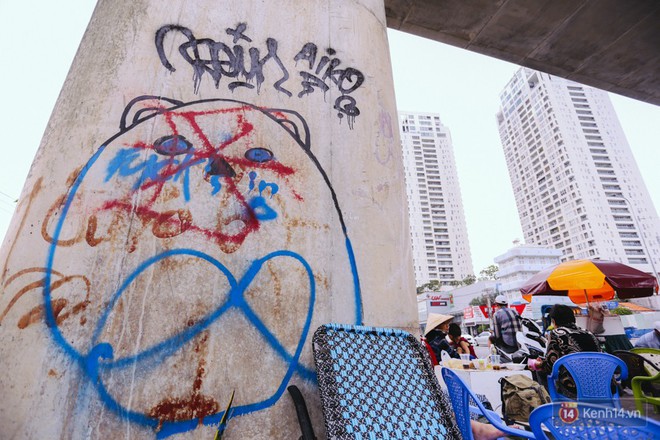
[
  {"x": 144, "y": 107},
  {"x": 293, "y": 123}
]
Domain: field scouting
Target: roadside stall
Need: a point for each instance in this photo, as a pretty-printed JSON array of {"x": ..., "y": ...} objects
[
  {"x": 484, "y": 381},
  {"x": 589, "y": 283}
]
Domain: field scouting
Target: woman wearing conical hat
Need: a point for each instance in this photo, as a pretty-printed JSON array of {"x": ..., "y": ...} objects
[{"x": 435, "y": 333}]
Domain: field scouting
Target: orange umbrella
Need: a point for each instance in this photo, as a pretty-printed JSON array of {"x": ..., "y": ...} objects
[{"x": 590, "y": 280}]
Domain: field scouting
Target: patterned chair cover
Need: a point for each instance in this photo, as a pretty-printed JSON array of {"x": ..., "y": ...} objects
[{"x": 378, "y": 383}]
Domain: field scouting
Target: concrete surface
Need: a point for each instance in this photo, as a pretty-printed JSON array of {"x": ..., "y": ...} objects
[
  {"x": 609, "y": 44},
  {"x": 216, "y": 181}
]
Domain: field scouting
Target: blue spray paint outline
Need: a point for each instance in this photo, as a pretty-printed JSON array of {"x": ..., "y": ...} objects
[
  {"x": 92, "y": 364},
  {"x": 94, "y": 367}
]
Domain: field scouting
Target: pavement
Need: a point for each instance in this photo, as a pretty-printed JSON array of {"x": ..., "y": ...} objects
[{"x": 628, "y": 403}]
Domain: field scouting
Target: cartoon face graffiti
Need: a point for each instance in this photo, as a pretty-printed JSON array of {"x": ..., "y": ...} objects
[{"x": 212, "y": 241}]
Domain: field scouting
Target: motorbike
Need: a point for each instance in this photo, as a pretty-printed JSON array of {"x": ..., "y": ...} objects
[{"x": 531, "y": 344}]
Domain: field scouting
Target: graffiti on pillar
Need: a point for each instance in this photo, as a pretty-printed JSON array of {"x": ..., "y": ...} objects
[
  {"x": 63, "y": 308},
  {"x": 199, "y": 228},
  {"x": 246, "y": 66}
]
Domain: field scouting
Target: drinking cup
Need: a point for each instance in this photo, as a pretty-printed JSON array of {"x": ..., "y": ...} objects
[
  {"x": 465, "y": 359},
  {"x": 495, "y": 361}
]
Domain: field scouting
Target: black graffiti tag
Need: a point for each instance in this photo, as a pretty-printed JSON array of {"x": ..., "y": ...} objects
[
  {"x": 347, "y": 80},
  {"x": 244, "y": 66},
  {"x": 224, "y": 60}
]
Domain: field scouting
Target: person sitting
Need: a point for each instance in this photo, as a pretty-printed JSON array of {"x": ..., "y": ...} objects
[
  {"x": 459, "y": 343},
  {"x": 565, "y": 338},
  {"x": 506, "y": 323},
  {"x": 650, "y": 339},
  {"x": 435, "y": 333}
]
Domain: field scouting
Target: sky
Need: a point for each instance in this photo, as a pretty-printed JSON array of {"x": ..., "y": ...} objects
[{"x": 39, "y": 39}]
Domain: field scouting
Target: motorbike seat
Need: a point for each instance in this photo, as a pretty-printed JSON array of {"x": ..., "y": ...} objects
[{"x": 507, "y": 349}]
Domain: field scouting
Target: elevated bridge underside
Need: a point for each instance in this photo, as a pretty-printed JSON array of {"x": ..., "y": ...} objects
[{"x": 613, "y": 45}]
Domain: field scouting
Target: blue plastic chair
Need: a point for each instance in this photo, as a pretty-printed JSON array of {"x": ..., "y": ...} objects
[
  {"x": 460, "y": 396},
  {"x": 579, "y": 420},
  {"x": 378, "y": 383},
  {"x": 592, "y": 373}
]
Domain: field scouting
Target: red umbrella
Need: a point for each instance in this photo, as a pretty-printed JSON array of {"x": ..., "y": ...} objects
[{"x": 590, "y": 280}]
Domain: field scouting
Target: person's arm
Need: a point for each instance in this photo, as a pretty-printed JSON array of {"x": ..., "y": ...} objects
[
  {"x": 485, "y": 431},
  {"x": 463, "y": 347},
  {"x": 444, "y": 345},
  {"x": 518, "y": 321},
  {"x": 552, "y": 353},
  {"x": 439, "y": 344},
  {"x": 496, "y": 327},
  {"x": 642, "y": 341}
]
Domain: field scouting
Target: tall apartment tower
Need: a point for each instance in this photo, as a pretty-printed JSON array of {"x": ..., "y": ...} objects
[
  {"x": 576, "y": 184},
  {"x": 441, "y": 250}
]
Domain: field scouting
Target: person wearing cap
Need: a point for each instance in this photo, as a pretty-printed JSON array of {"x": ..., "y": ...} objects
[
  {"x": 435, "y": 333},
  {"x": 650, "y": 339},
  {"x": 506, "y": 323}
]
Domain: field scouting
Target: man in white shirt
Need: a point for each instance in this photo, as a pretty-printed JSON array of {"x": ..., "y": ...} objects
[{"x": 650, "y": 339}]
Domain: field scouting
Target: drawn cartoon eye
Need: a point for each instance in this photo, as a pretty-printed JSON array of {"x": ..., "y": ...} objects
[
  {"x": 172, "y": 145},
  {"x": 259, "y": 155}
]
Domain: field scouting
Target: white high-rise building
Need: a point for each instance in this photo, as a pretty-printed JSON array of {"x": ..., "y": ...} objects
[
  {"x": 576, "y": 184},
  {"x": 519, "y": 264},
  {"x": 441, "y": 250}
]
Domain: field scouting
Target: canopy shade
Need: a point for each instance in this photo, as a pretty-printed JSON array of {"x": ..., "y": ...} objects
[{"x": 590, "y": 280}]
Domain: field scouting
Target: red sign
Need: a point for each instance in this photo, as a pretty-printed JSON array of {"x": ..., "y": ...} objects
[
  {"x": 468, "y": 313},
  {"x": 447, "y": 297},
  {"x": 517, "y": 307},
  {"x": 484, "y": 310},
  {"x": 439, "y": 302}
]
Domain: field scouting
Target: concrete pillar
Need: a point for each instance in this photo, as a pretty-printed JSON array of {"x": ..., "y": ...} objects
[{"x": 217, "y": 180}]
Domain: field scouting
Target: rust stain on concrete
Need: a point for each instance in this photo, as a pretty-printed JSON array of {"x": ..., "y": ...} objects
[
  {"x": 37, "y": 313},
  {"x": 193, "y": 406}
]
